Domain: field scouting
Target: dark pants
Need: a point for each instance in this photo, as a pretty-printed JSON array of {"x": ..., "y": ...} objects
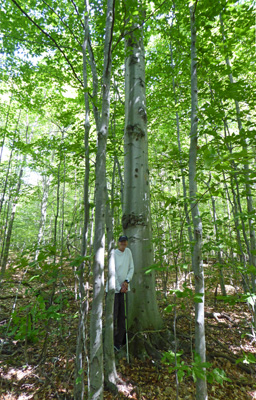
[{"x": 119, "y": 320}]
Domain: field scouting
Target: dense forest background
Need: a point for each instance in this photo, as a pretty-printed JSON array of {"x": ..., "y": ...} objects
[{"x": 52, "y": 110}]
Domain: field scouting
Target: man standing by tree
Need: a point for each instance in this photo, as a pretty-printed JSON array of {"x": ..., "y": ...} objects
[{"x": 124, "y": 269}]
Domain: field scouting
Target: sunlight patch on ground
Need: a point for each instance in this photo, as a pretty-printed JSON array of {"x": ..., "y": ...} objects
[
  {"x": 22, "y": 396},
  {"x": 17, "y": 373}
]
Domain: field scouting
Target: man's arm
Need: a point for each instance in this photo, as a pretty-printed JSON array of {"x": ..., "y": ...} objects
[
  {"x": 130, "y": 268},
  {"x": 129, "y": 276}
]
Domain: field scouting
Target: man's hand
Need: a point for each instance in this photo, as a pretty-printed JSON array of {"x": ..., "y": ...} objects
[{"x": 124, "y": 287}]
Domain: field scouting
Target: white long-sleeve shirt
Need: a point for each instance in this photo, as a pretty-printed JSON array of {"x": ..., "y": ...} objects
[{"x": 124, "y": 268}]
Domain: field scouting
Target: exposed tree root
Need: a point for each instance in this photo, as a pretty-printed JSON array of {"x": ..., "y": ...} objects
[
  {"x": 110, "y": 387},
  {"x": 150, "y": 344},
  {"x": 233, "y": 361}
]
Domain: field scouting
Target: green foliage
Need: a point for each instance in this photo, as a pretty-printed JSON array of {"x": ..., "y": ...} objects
[
  {"x": 248, "y": 358},
  {"x": 29, "y": 322},
  {"x": 249, "y": 298},
  {"x": 197, "y": 369},
  {"x": 184, "y": 295},
  {"x": 79, "y": 378}
]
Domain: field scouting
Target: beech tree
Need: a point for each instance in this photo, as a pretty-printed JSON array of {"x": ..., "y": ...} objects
[
  {"x": 197, "y": 262},
  {"x": 143, "y": 310}
]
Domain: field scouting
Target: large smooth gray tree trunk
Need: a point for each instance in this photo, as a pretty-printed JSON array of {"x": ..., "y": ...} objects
[{"x": 143, "y": 310}]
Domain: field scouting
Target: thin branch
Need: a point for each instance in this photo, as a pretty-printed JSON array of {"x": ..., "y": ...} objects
[
  {"x": 77, "y": 12},
  {"x": 111, "y": 37},
  {"x": 66, "y": 25},
  {"x": 51, "y": 38},
  {"x": 36, "y": 42},
  {"x": 122, "y": 36},
  {"x": 194, "y": 12}
]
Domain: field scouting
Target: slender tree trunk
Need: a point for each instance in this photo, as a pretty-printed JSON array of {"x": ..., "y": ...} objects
[
  {"x": 9, "y": 165},
  {"x": 54, "y": 271},
  {"x": 237, "y": 211},
  {"x": 96, "y": 348},
  {"x": 5, "y": 218},
  {"x": 217, "y": 238},
  {"x": 143, "y": 310},
  {"x": 109, "y": 356},
  {"x": 197, "y": 262},
  {"x": 10, "y": 225},
  {"x": 17, "y": 192},
  {"x": 46, "y": 183},
  {"x": 81, "y": 344},
  {"x": 190, "y": 236},
  {"x": 4, "y": 131}
]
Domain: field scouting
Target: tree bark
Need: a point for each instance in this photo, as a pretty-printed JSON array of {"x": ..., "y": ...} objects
[
  {"x": 10, "y": 225},
  {"x": 5, "y": 128},
  {"x": 46, "y": 183},
  {"x": 184, "y": 188},
  {"x": 142, "y": 305},
  {"x": 9, "y": 164},
  {"x": 197, "y": 262},
  {"x": 109, "y": 356},
  {"x": 96, "y": 348},
  {"x": 81, "y": 344}
]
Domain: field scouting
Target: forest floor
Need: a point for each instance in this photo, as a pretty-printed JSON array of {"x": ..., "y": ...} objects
[{"x": 26, "y": 374}]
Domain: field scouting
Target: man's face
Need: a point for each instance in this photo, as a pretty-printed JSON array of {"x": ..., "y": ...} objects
[{"x": 122, "y": 245}]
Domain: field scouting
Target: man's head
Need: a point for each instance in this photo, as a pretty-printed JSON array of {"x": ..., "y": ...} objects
[{"x": 122, "y": 242}]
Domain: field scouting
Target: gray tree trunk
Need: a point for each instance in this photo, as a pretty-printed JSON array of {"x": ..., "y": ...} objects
[
  {"x": 10, "y": 225},
  {"x": 9, "y": 164},
  {"x": 5, "y": 128},
  {"x": 102, "y": 124},
  {"x": 197, "y": 262},
  {"x": 190, "y": 236},
  {"x": 109, "y": 356},
  {"x": 16, "y": 197},
  {"x": 143, "y": 310},
  {"x": 81, "y": 344},
  {"x": 46, "y": 183}
]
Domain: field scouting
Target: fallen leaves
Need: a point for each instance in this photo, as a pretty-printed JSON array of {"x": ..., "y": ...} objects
[{"x": 148, "y": 380}]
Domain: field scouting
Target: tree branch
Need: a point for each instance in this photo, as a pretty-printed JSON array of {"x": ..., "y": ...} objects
[
  {"x": 35, "y": 42},
  {"x": 51, "y": 38},
  {"x": 111, "y": 36},
  {"x": 77, "y": 12},
  {"x": 66, "y": 25},
  {"x": 137, "y": 27}
]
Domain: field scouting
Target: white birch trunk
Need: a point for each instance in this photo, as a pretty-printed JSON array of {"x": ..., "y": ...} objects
[
  {"x": 197, "y": 262},
  {"x": 143, "y": 310}
]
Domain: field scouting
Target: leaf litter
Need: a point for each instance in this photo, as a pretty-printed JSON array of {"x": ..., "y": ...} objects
[{"x": 25, "y": 375}]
